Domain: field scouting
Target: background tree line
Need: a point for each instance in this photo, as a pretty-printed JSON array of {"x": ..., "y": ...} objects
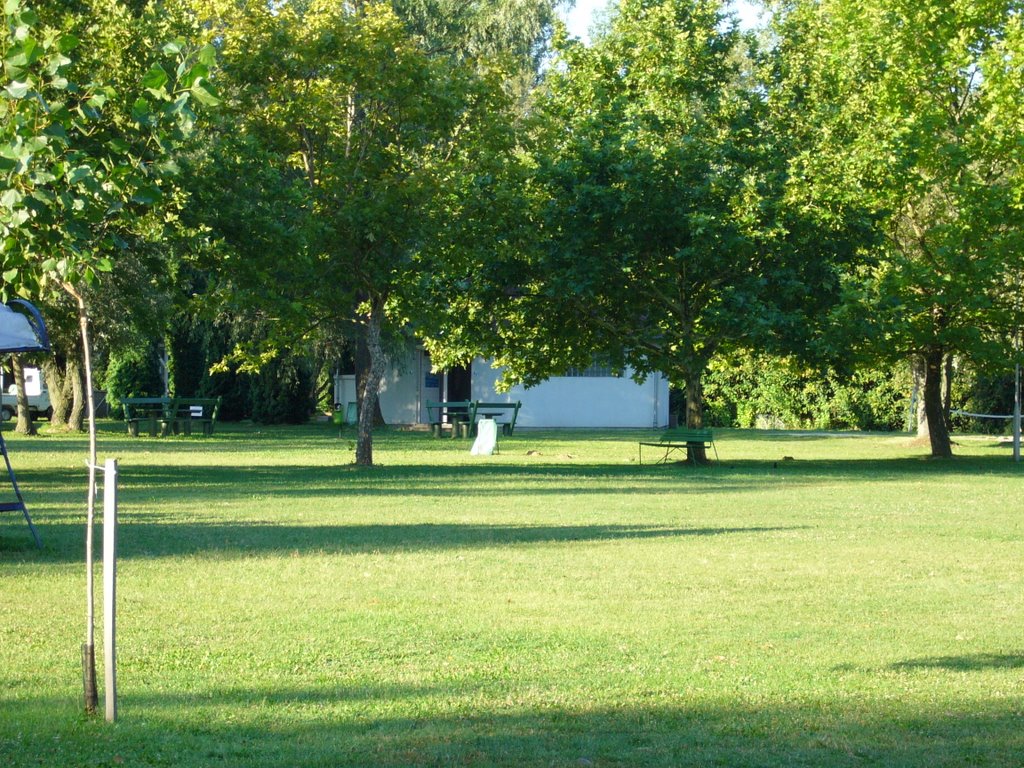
[{"x": 836, "y": 197}]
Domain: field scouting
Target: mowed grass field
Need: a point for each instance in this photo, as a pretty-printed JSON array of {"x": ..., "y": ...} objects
[{"x": 554, "y": 605}]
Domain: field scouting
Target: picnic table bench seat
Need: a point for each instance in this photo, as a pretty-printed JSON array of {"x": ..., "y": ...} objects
[
  {"x": 189, "y": 413},
  {"x": 677, "y": 440},
  {"x": 459, "y": 413},
  {"x": 463, "y": 415},
  {"x": 491, "y": 410},
  {"x": 164, "y": 415},
  {"x": 150, "y": 414}
]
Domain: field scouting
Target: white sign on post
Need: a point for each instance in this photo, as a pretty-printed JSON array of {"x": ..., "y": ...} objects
[{"x": 486, "y": 438}]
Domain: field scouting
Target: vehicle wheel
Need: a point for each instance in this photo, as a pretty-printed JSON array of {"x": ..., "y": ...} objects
[
  {"x": 7, "y": 413},
  {"x": 48, "y": 414}
]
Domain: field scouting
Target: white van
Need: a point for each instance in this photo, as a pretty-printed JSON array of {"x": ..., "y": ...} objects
[{"x": 35, "y": 389}]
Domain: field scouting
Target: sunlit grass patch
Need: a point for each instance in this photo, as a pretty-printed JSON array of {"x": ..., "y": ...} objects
[{"x": 557, "y": 604}]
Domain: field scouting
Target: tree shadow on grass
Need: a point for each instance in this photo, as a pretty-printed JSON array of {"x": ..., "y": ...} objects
[
  {"x": 142, "y": 538},
  {"x": 407, "y": 726},
  {"x": 176, "y": 484},
  {"x": 971, "y": 663},
  {"x": 56, "y": 497},
  {"x": 323, "y": 437}
]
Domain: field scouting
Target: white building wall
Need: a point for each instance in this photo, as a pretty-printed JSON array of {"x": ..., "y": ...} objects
[
  {"x": 571, "y": 401},
  {"x": 576, "y": 401},
  {"x": 401, "y": 390}
]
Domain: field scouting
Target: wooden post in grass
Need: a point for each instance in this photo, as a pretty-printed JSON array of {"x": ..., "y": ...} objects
[
  {"x": 89, "y": 647},
  {"x": 110, "y": 588},
  {"x": 1016, "y": 413}
]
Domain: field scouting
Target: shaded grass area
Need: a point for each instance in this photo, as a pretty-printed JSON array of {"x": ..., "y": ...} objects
[{"x": 555, "y": 605}]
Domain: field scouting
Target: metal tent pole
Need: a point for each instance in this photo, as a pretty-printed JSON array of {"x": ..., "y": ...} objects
[{"x": 19, "y": 504}]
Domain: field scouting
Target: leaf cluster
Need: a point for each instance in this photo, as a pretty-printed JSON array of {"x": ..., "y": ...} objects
[
  {"x": 663, "y": 226},
  {"x": 344, "y": 148},
  {"x": 82, "y": 161},
  {"x": 910, "y": 110}
]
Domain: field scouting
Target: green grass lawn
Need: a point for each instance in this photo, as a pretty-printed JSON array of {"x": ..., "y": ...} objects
[{"x": 555, "y": 605}]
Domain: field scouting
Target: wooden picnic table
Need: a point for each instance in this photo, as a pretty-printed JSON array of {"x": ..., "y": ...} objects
[
  {"x": 461, "y": 414},
  {"x": 494, "y": 410},
  {"x": 164, "y": 415}
]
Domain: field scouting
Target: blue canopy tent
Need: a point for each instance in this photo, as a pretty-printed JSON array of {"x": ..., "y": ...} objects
[{"x": 21, "y": 330}]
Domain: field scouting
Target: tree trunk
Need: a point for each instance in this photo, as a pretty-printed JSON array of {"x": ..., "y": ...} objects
[
  {"x": 63, "y": 380},
  {"x": 696, "y": 453},
  {"x": 938, "y": 435},
  {"x": 918, "y": 374},
  {"x": 80, "y": 397},
  {"x": 947, "y": 392},
  {"x": 60, "y": 393},
  {"x": 364, "y": 362},
  {"x": 25, "y": 425},
  {"x": 370, "y": 385}
]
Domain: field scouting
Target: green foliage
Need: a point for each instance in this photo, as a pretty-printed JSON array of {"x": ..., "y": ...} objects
[
  {"x": 283, "y": 392},
  {"x": 912, "y": 108},
  {"x": 657, "y": 202},
  {"x": 80, "y": 161},
  {"x": 188, "y": 352},
  {"x": 983, "y": 392},
  {"x": 196, "y": 346},
  {"x": 357, "y": 146},
  {"x": 236, "y": 390},
  {"x": 759, "y": 391},
  {"x": 357, "y": 141},
  {"x": 515, "y": 31},
  {"x": 133, "y": 372}
]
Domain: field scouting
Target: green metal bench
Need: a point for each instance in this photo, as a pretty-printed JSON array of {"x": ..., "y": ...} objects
[
  {"x": 459, "y": 413},
  {"x": 678, "y": 440},
  {"x": 491, "y": 410},
  {"x": 151, "y": 414}
]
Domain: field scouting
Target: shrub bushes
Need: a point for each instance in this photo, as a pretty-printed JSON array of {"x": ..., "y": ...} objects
[
  {"x": 133, "y": 372},
  {"x": 760, "y": 391}
]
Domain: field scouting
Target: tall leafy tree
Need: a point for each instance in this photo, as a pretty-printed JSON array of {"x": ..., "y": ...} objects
[
  {"x": 516, "y": 31},
  {"x": 663, "y": 234},
  {"x": 361, "y": 132},
  {"x": 114, "y": 45},
  {"x": 911, "y": 107}
]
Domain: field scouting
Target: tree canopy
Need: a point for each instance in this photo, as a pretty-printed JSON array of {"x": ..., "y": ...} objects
[
  {"x": 81, "y": 160},
  {"x": 907, "y": 107},
  {"x": 668, "y": 236},
  {"x": 360, "y": 134},
  {"x": 848, "y": 185}
]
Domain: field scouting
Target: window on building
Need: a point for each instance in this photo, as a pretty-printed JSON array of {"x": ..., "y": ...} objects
[{"x": 595, "y": 371}]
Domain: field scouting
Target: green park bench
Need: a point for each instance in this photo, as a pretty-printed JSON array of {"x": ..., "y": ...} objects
[
  {"x": 494, "y": 410},
  {"x": 460, "y": 414},
  {"x": 164, "y": 415},
  {"x": 189, "y": 413},
  {"x": 678, "y": 440}
]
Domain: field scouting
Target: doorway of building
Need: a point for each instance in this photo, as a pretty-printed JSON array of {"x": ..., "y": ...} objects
[{"x": 459, "y": 383}]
